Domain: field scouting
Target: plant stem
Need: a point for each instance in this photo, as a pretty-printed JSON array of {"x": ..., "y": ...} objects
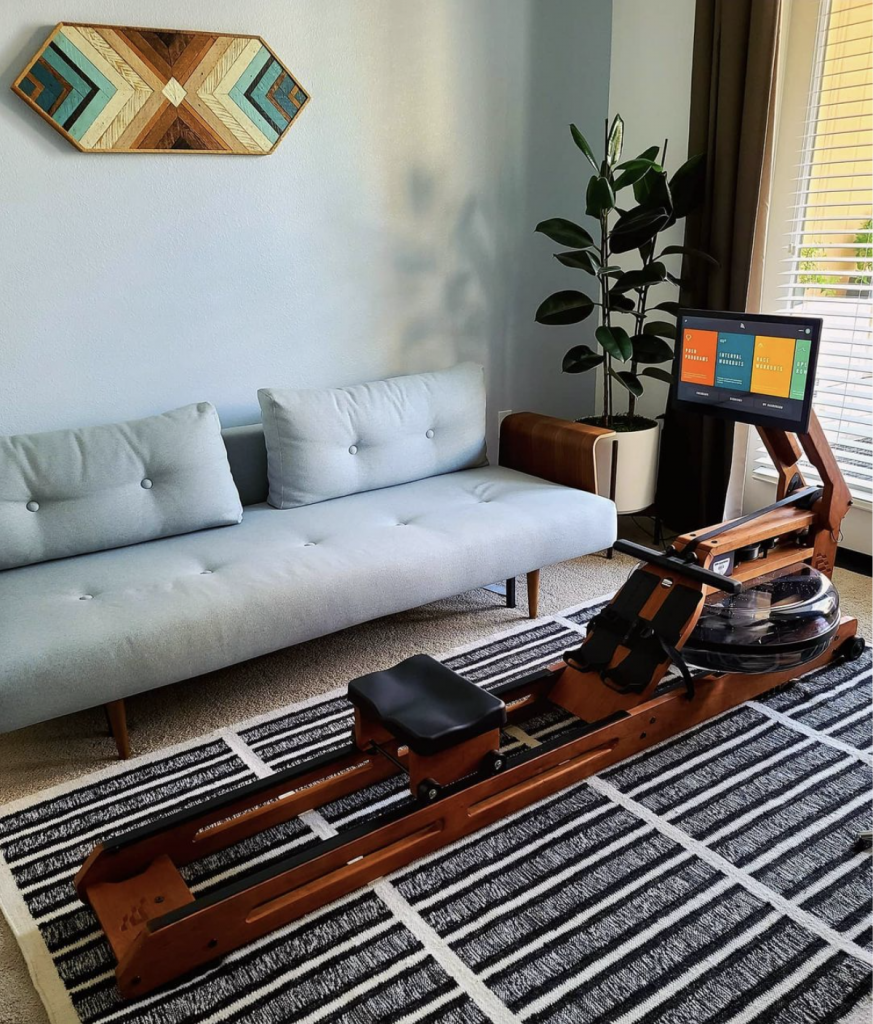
[
  {"x": 639, "y": 315},
  {"x": 604, "y": 298},
  {"x": 604, "y": 291}
]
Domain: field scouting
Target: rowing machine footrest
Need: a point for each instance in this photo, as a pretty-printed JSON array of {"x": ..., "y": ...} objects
[
  {"x": 614, "y": 625},
  {"x": 649, "y": 643},
  {"x": 427, "y": 706}
]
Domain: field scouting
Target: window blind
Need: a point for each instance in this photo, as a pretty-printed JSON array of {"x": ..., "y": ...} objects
[{"x": 829, "y": 249}]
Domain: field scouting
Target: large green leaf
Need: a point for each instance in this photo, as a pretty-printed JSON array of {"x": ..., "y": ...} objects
[
  {"x": 630, "y": 176},
  {"x": 632, "y": 172},
  {"x": 615, "y": 141},
  {"x": 652, "y": 273},
  {"x": 648, "y": 348},
  {"x": 619, "y": 303},
  {"x": 616, "y": 341},
  {"x": 680, "y": 282},
  {"x": 647, "y": 250},
  {"x": 580, "y": 359},
  {"x": 628, "y": 380},
  {"x": 580, "y": 259},
  {"x": 660, "y": 328},
  {"x": 635, "y": 218},
  {"x": 641, "y": 163},
  {"x": 582, "y": 143},
  {"x": 688, "y": 185},
  {"x": 565, "y": 232},
  {"x": 652, "y": 192},
  {"x": 599, "y": 198},
  {"x": 697, "y": 254},
  {"x": 568, "y": 307},
  {"x": 668, "y": 307},
  {"x": 658, "y": 374},
  {"x": 635, "y": 228}
]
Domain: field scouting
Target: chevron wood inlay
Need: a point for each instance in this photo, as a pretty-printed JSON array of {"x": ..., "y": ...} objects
[{"x": 116, "y": 89}]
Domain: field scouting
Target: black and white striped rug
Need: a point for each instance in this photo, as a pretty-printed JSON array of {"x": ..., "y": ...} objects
[{"x": 712, "y": 879}]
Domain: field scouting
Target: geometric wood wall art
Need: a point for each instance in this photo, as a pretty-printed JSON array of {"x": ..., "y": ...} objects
[{"x": 112, "y": 89}]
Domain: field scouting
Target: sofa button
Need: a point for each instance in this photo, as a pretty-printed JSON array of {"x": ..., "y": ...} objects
[
  {"x": 86, "y": 597},
  {"x": 429, "y": 433},
  {"x": 33, "y": 506},
  {"x": 146, "y": 483},
  {"x": 353, "y": 449}
]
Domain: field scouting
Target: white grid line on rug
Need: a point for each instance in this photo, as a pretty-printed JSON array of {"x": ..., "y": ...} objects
[{"x": 753, "y": 885}]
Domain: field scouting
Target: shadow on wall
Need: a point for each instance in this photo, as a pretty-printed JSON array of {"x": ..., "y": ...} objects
[{"x": 453, "y": 284}]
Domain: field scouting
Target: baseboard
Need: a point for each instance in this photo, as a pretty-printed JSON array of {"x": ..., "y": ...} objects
[{"x": 855, "y": 561}]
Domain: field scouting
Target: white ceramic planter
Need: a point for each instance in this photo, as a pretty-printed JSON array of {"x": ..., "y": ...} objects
[{"x": 636, "y": 471}]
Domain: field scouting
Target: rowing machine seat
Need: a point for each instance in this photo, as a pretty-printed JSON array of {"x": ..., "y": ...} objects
[{"x": 426, "y": 705}]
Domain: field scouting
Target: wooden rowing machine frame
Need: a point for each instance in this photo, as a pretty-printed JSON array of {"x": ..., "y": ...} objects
[{"x": 159, "y": 930}]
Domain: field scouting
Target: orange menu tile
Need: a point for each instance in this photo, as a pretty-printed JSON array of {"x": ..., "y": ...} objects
[
  {"x": 772, "y": 365},
  {"x": 698, "y": 356}
]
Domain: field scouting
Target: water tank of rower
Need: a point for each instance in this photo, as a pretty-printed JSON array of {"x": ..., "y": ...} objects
[{"x": 778, "y": 621}]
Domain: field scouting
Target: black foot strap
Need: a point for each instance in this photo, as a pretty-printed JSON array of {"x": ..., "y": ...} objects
[
  {"x": 658, "y": 643},
  {"x": 678, "y": 659},
  {"x": 615, "y": 625},
  {"x": 650, "y": 643}
]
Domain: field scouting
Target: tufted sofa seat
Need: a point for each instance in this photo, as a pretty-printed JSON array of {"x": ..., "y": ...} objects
[
  {"x": 137, "y": 617},
  {"x": 141, "y": 553}
]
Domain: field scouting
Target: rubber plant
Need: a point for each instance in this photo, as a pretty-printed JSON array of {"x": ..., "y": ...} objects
[{"x": 629, "y": 354}]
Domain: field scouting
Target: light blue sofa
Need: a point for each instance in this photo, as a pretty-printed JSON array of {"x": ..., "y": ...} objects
[{"x": 426, "y": 518}]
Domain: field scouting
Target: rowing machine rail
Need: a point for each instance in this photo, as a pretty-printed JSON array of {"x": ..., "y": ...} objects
[{"x": 614, "y": 684}]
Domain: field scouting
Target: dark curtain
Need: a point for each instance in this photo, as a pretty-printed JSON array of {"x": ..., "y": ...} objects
[{"x": 732, "y": 78}]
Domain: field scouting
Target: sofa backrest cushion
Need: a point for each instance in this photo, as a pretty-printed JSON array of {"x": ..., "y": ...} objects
[
  {"x": 334, "y": 441},
  {"x": 69, "y": 492},
  {"x": 247, "y": 455}
]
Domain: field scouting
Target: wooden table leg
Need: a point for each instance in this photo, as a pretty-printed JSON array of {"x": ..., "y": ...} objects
[
  {"x": 117, "y": 716},
  {"x": 533, "y": 593}
]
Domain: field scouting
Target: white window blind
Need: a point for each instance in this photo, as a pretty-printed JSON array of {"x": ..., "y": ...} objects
[{"x": 829, "y": 263}]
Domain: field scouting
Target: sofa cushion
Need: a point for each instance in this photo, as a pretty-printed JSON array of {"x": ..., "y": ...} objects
[
  {"x": 83, "y": 631},
  {"x": 247, "y": 456},
  {"x": 334, "y": 441},
  {"x": 67, "y": 492}
]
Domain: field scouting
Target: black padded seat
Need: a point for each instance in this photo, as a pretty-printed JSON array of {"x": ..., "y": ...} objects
[{"x": 426, "y": 705}]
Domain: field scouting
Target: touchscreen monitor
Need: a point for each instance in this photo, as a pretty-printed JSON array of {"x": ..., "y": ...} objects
[{"x": 753, "y": 368}]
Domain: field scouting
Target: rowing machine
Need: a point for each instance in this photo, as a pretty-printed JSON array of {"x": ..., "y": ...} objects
[{"x": 421, "y": 720}]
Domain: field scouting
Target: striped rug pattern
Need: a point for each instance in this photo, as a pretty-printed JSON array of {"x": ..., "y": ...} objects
[{"x": 712, "y": 879}]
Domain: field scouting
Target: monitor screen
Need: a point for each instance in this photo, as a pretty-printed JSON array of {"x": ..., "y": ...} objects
[{"x": 753, "y": 368}]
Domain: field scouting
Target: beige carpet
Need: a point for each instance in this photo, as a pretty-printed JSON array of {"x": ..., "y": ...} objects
[{"x": 44, "y": 755}]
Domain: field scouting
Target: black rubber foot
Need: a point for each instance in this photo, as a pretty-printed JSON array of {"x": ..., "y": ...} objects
[
  {"x": 428, "y": 791},
  {"x": 853, "y": 648}
]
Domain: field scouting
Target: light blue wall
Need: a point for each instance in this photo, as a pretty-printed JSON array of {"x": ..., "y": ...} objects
[
  {"x": 390, "y": 232},
  {"x": 569, "y": 48}
]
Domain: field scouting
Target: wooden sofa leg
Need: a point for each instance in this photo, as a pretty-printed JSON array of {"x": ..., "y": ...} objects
[
  {"x": 533, "y": 593},
  {"x": 117, "y": 716}
]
